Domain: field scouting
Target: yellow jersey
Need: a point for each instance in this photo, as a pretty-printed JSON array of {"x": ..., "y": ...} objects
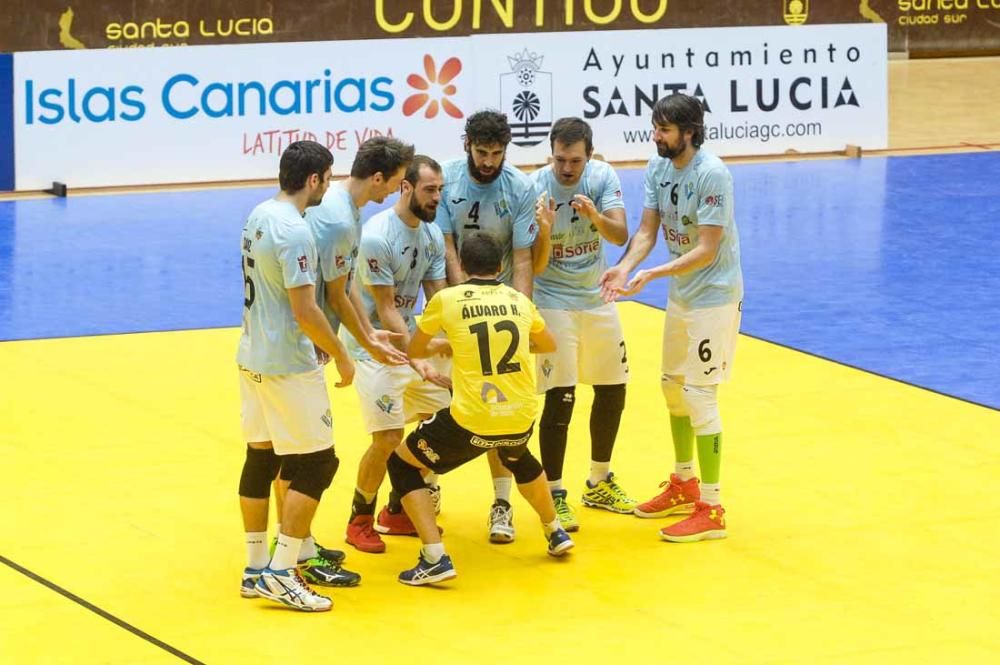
[{"x": 493, "y": 373}]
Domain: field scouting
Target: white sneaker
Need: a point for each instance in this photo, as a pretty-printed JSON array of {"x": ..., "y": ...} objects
[
  {"x": 288, "y": 588},
  {"x": 501, "y": 522}
]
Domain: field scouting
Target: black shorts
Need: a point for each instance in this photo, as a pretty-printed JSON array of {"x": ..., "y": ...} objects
[{"x": 441, "y": 444}]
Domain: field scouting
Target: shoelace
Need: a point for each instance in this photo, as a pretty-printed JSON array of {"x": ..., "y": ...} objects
[
  {"x": 500, "y": 514},
  {"x": 618, "y": 491},
  {"x": 368, "y": 529},
  {"x": 668, "y": 484},
  {"x": 303, "y": 588}
]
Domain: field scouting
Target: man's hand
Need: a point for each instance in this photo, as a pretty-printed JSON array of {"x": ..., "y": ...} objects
[
  {"x": 612, "y": 281},
  {"x": 428, "y": 373},
  {"x": 584, "y": 207},
  {"x": 545, "y": 213},
  {"x": 636, "y": 284},
  {"x": 345, "y": 368},
  {"x": 383, "y": 347}
]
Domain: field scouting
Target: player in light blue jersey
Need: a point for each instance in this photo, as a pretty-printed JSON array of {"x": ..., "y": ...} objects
[
  {"x": 689, "y": 194},
  {"x": 285, "y": 410},
  {"x": 402, "y": 252},
  {"x": 377, "y": 171},
  {"x": 582, "y": 209},
  {"x": 482, "y": 192}
]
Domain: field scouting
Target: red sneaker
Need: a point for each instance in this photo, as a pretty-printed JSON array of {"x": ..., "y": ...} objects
[
  {"x": 707, "y": 523},
  {"x": 395, "y": 524},
  {"x": 361, "y": 535},
  {"x": 679, "y": 497}
]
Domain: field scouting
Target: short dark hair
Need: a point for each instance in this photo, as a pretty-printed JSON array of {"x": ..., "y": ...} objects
[
  {"x": 381, "y": 154},
  {"x": 569, "y": 131},
  {"x": 480, "y": 254},
  {"x": 487, "y": 128},
  {"x": 299, "y": 161},
  {"x": 413, "y": 170},
  {"x": 684, "y": 111}
]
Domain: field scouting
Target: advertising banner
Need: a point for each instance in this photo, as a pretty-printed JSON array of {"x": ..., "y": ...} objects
[
  {"x": 117, "y": 117},
  {"x": 209, "y": 113},
  {"x": 919, "y": 27},
  {"x": 765, "y": 90}
]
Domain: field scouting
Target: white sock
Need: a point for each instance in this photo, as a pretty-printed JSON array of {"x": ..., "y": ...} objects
[
  {"x": 308, "y": 549},
  {"x": 685, "y": 469},
  {"x": 431, "y": 479},
  {"x": 501, "y": 488},
  {"x": 555, "y": 485},
  {"x": 554, "y": 525},
  {"x": 286, "y": 554},
  {"x": 433, "y": 552},
  {"x": 368, "y": 496},
  {"x": 598, "y": 472},
  {"x": 711, "y": 493},
  {"x": 257, "y": 556}
]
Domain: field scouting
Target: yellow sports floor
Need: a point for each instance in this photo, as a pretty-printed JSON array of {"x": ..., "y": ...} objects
[{"x": 863, "y": 518}]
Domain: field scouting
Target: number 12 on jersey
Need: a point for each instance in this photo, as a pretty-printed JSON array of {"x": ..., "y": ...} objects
[{"x": 482, "y": 333}]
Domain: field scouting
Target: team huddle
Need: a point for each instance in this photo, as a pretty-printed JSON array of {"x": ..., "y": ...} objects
[{"x": 520, "y": 302}]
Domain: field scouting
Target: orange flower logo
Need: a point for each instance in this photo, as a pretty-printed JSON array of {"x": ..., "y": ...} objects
[{"x": 437, "y": 84}]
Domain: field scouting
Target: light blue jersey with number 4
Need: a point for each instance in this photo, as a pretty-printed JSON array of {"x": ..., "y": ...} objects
[{"x": 504, "y": 207}]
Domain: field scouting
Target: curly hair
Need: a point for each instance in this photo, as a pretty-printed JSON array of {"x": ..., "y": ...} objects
[{"x": 487, "y": 128}]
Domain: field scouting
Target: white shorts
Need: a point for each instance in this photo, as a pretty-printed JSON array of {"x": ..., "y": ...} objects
[
  {"x": 590, "y": 349},
  {"x": 292, "y": 411},
  {"x": 392, "y": 396},
  {"x": 700, "y": 344}
]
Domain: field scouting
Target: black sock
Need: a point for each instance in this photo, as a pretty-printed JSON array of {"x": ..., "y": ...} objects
[
  {"x": 360, "y": 507},
  {"x": 395, "y": 504},
  {"x": 554, "y": 428},
  {"x": 605, "y": 417}
]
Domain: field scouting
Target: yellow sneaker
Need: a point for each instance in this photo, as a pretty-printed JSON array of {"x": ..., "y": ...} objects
[
  {"x": 609, "y": 495},
  {"x": 564, "y": 511}
]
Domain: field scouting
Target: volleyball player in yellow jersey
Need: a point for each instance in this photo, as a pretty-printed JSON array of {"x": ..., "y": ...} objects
[{"x": 491, "y": 331}]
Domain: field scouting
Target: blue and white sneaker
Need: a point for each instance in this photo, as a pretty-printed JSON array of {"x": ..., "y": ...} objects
[
  {"x": 559, "y": 542},
  {"x": 250, "y": 576},
  {"x": 426, "y": 572},
  {"x": 288, "y": 588}
]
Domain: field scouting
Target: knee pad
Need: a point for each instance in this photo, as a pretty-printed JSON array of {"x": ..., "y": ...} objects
[
  {"x": 259, "y": 470},
  {"x": 524, "y": 466},
  {"x": 609, "y": 399},
  {"x": 703, "y": 405},
  {"x": 558, "y": 407},
  {"x": 673, "y": 393},
  {"x": 314, "y": 472},
  {"x": 405, "y": 478}
]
